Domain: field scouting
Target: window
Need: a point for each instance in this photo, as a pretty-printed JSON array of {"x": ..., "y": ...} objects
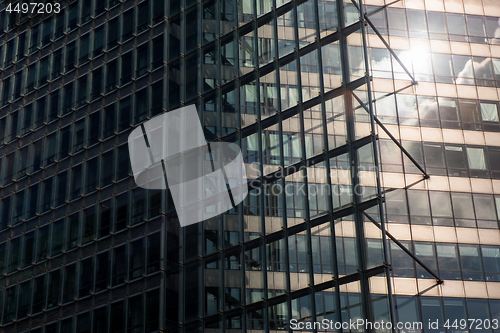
[
  {"x": 73, "y": 16},
  {"x": 30, "y": 82},
  {"x": 119, "y": 265},
  {"x": 74, "y": 230},
  {"x": 107, "y": 165},
  {"x": 475, "y": 157},
  {"x": 18, "y": 84},
  {"x": 153, "y": 253},
  {"x": 152, "y": 310},
  {"x": 121, "y": 204},
  {"x": 57, "y": 62},
  {"x": 123, "y": 162},
  {"x": 44, "y": 71},
  {"x": 489, "y": 112},
  {"x": 84, "y": 48},
  {"x": 69, "y": 287},
  {"x": 141, "y": 105},
  {"x": 476, "y": 28},
  {"x": 85, "y": 13},
  {"x": 157, "y": 51},
  {"x": 94, "y": 128},
  {"x": 47, "y": 194},
  {"x": 138, "y": 205},
  {"x": 38, "y": 294},
  {"x": 111, "y": 75},
  {"x": 67, "y": 98},
  {"x": 442, "y": 67},
  {"x": 143, "y": 16},
  {"x": 59, "y": 25},
  {"x": 92, "y": 169},
  {"x": 14, "y": 255},
  {"x": 90, "y": 225},
  {"x": 98, "y": 41},
  {"x": 54, "y": 105},
  {"x": 105, "y": 219},
  {"x": 29, "y": 114},
  {"x": 434, "y": 158},
  {"x": 78, "y": 135},
  {"x": 448, "y": 260},
  {"x": 102, "y": 271},
  {"x": 425, "y": 252},
  {"x": 6, "y": 91},
  {"x": 470, "y": 115},
  {"x": 417, "y": 24},
  {"x": 55, "y": 284},
  {"x": 127, "y": 24},
  {"x": 432, "y": 310},
  {"x": 34, "y": 38},
  {"x": 137, "y": 260},
  {"x": 57, "y": 237},
  {"x": 62, "y": 188},
  {"x": 448, "y": 110},
  {"x": 462, "y": 209},
  {"x": 29, "y": 249},
  {"x": 65, "y": 142},
  {"x": 76, "y": 182},
  {"x": 124, "y": 114},
  {"x": 117, "y": 315},
  {"x": 42, "y": 243},
  {"x": 86, "y": 277},
  {"x": 112, "y": 33},
  {"x": 48, "y": 27},
  {"x": 471, "y": 262},
  {"x": 491, "y": 260},
  {"x": 157, "y": 98},
  {"x": 456, "y": 27},
  {"x": 485, "y": 211},
  {"x": 456, "y": 161},
  {"x": 126, "y": 72},
  {"x": 70, "y": 56},
  {"x": 407, "y": 309},
  {"x": 142, "y": 59},
  {"x": 82, "y": 91},
  {"x": 84, "y": 322},
  {"x": 109, "y": 121},
  {"x": 3, "y": 253},
  {"x": 96, "y": 83}
]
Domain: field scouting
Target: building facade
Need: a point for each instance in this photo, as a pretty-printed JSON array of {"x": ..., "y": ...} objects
[{"x": 351, "y": 126}]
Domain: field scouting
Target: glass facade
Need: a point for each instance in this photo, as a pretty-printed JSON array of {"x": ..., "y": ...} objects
[{"x": 304, "y": 87}]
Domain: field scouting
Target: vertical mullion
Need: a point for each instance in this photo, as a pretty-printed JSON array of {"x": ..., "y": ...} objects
[
  {"x": 327, "y": 166},
  {"x": 351, "y": 136},
  {"x": 385, "y": 243},
  {"x": 303, "y": 173},
  {"x": 282, "y": 166},
  {"x": 262, "y": 247}
]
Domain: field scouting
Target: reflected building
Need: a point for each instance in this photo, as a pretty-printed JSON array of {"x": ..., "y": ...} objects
[{"x": 368, "y": 132}]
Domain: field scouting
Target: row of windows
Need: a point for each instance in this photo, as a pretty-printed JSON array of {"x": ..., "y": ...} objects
[
  {"x": 443, "y": 208},
  {"x": 438, "y": 67},
  {"x": 435, "y": 25},
  {"x": 454, "y": 261},
  {"x": 438, "y": 112},
  {"x": 439, "y": 309},
  {"x": 137, "y": 313},
  {"x": 454, "y": 160},
  {"x": 73, "y": 138},
  {"x": 71, "y": 185},
  {"x": 90, "y": 86},
  {"x": 117, "y": 29},
  {"x": 83, "y": 278}
]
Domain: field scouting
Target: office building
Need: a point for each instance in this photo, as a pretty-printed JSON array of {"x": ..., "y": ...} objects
[{"x": 350, "y": 125}]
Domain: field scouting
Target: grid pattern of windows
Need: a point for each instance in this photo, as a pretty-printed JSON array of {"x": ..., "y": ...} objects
[{"x": 82, "y": 249}]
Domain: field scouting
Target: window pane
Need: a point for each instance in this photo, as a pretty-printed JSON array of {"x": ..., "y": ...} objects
[
  {"x": 489, "y": 112},
  {"x": 475, "y": 157},
  {"x": 462, "y": 205}
]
